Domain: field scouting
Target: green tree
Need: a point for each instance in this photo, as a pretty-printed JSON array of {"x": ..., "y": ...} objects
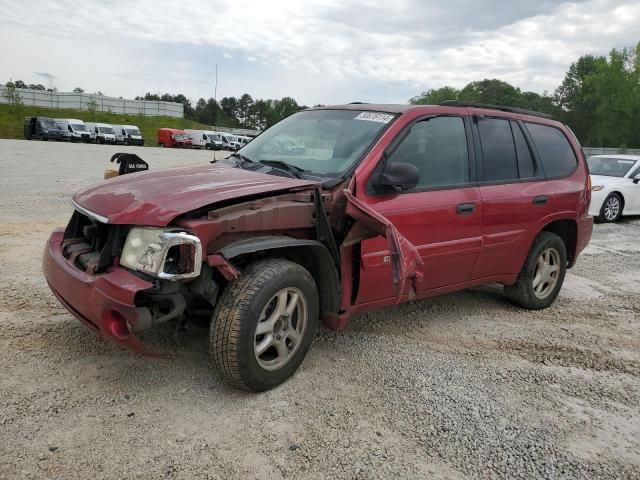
[
  {"x": 494, "y": 91},
  {"x": 13, "y": 98},
  {"x": 435, "y": 96},
  {"x": 92, "y": 108},
  {"x": 576, "y": 96},
  {"x": 229, "y": 106}
]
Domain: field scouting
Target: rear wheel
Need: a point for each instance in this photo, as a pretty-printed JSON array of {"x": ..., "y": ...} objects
[
  {"x": 611, "y": 209},
  {"x": 542, "y": 275},
  {"x": 263, "y": 324}
]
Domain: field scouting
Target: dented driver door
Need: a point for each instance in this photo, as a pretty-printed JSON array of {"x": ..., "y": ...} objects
[{"x": 440, "y": 217}]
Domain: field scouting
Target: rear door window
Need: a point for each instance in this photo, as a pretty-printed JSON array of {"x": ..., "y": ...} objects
[
  {"x": 499, "y": 158},
  {"x": 555, "y": 152}
]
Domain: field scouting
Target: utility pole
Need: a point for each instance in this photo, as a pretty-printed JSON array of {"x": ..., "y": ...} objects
[{"x": 215, "y": 98}]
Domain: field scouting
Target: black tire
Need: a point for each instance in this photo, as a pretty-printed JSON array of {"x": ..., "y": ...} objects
[
  {"x": 522, "y": 292},
  {"x": 611, "y": 209},
  {"x": 233, "y": 339}
]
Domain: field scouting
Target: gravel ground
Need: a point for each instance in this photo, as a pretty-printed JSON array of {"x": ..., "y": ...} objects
[{"x": 459, "y": 386}]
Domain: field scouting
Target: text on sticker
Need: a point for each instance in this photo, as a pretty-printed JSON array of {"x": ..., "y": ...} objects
[{"x": 375, "y": 117}]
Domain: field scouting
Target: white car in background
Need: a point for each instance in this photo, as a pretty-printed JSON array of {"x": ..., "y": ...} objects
[{"x": 615, "y": 186}]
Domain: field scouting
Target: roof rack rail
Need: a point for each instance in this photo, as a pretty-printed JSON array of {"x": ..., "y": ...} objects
[
  {"x": 523, "y": 111},
  {"x": 357, "y": 103}
]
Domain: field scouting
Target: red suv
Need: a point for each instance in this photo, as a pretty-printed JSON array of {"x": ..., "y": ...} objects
[{"x": 384, "y": 204}]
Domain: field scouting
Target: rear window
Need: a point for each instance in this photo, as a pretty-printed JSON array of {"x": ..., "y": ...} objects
[{"x": 555, "y": 152}]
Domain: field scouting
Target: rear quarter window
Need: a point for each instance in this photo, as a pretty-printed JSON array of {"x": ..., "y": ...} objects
[{"x": 555, "y": 152}]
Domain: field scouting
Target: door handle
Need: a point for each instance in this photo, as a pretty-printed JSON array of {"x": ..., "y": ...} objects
[
  {"x": 540, "y": 200},
  {"x": 465, "y": 208}
]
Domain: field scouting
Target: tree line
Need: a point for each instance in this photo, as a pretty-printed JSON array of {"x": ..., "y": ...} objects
[
  {"x": 599, "y": 98},
  {"x": 243, "y": 111}
]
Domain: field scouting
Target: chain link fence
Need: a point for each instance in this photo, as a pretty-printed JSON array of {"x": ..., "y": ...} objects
[{"x": 101, "y": 103}]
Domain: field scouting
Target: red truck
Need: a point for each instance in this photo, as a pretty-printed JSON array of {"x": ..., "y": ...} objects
[
  {"x": 385, "y": 204},
  {"x": 173, "y": 137}
]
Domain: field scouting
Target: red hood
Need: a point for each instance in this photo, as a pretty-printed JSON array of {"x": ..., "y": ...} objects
[{"x": 155, "y": 198}]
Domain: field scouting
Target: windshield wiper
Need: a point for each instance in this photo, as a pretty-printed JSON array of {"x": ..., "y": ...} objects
[
  {"x": 243, "y": 159},
  {"x": 292, "y": 169}
]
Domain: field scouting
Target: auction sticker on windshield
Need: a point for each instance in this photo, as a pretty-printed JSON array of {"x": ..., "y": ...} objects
[{"x": 375, "y": 117}]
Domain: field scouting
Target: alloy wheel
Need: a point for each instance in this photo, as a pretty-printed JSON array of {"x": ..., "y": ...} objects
[
  {"x": 281, "y": 328},
  {"x": 545, "y": 276},
  {"x": 612, "y": 208}
]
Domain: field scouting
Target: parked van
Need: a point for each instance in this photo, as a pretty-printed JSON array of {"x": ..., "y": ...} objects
[
  {"x": 242, "y": 140},
  {"x": 173, "y": 137},
  {"x": 43, "y": 128},
  {"x": 101, "y": 132},
  {"x": 205, "y": 139},
  {"x": 75, "y": 130},
  {"x": 215, "y": 141},
  {"x": 128, "y": 135},
  {"x": 229, "y": 141}
]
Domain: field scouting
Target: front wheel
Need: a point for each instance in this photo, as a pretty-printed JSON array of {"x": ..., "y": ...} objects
[
  {"x": 263, "y": 324},
  {"x": 542, "y": 275},
  {"x": 611, "y": 209}
]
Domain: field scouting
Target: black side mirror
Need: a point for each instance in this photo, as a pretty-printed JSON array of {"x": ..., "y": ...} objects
[
  {"x": 397, "y": 177},
  {"x": 636, "y": 179}
]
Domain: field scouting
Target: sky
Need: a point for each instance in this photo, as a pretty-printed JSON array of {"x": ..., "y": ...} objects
[{"x": 317, "y": 51}]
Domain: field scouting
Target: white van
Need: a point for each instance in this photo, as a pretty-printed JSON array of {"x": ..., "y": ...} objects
[
  {"x": 128, "y": 135},
  {"x": 229, "y": 141},
  {"x": 242, "y": 140},
  {"x": 215, "y": 141},
  {"x": 198, "y": 138},
  {"x": 75, "y": 130},
  {"x": 204, "y": 139},
  {"x": 101, "y": 132}
]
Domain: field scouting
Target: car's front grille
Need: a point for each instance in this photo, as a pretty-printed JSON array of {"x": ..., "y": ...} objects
[{"x": 91, "y": 245}]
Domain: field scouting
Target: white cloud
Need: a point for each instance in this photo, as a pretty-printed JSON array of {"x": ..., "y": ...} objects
[{"x": 319, "y": 50}]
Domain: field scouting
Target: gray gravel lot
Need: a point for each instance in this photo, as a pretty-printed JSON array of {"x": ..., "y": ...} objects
[{"x": 460, "y": 386}]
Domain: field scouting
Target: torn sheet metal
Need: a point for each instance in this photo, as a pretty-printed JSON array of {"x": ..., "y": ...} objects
[{"x": 406, "y": 263}]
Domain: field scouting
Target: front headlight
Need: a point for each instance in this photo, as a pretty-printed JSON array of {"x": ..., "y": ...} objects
[
  {"x": 166, "y": 253},
  {"x": 597, "y": 188}
]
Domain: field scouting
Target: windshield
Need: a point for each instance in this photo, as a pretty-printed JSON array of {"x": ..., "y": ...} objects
[
  {"x": 78, "y": 127},
  {"x": 324, "y": 142},
  {"x": 610, "y": 166},
  {"x": 105, "y": 130},
  {"x": 214, "y": 138},
  {"x": 181, "y": 137},
  {"x": 132, "y": 131}
]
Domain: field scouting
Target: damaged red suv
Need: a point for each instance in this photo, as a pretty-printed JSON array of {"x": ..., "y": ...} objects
[{"x": 376, "y": 205}]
